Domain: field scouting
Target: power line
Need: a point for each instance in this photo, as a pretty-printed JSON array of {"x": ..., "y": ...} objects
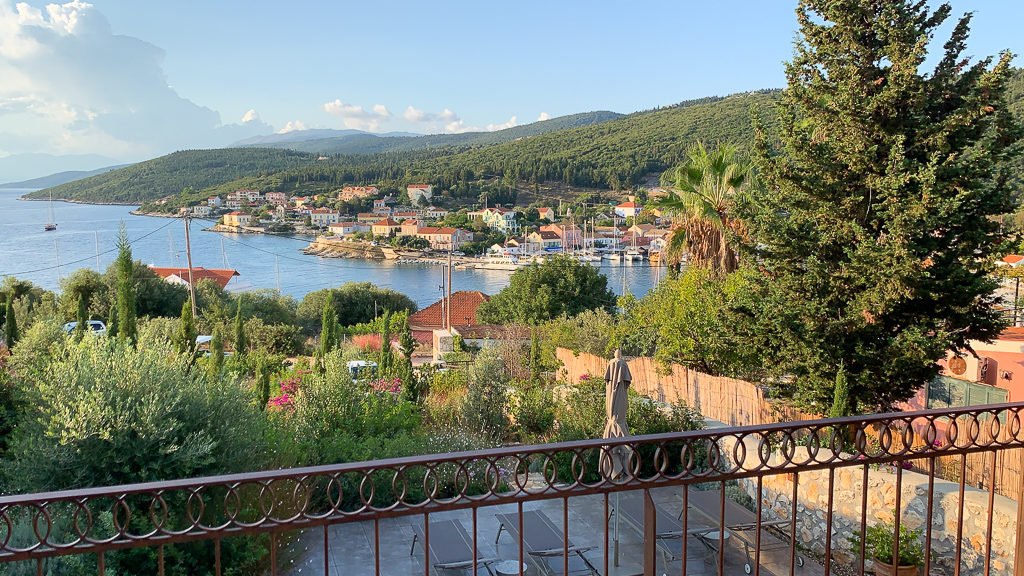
[{"x": 89, "y": 257}]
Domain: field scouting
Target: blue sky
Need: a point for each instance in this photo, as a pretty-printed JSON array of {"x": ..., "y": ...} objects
[{"x": 133, "y": 79}]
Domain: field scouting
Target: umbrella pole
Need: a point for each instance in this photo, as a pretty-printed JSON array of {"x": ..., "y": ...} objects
[{"x": 616, "y": 529}]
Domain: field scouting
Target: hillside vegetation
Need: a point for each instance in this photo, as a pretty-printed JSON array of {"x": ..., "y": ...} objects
[{"x": 610, "y": 154}]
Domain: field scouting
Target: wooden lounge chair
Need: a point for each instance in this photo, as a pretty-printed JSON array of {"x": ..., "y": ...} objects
[
  {"x": 451, "y": 548},
  {"x": 546, "y": 544}
]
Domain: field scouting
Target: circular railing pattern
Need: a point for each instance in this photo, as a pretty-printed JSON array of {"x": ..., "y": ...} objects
[{"x": 204, "y": 508}]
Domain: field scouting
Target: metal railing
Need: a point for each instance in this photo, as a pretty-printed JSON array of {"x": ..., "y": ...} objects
[{"x": 778, "y": 466}]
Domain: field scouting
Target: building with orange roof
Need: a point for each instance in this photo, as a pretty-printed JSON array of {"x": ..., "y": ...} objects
[
  {"x": 385, "y": 227},
  {"x": 463, "y": 303},
  {"x": 179, "y": 275}
]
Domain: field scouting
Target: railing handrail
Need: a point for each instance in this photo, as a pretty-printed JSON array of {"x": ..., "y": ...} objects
[{"x": 909, "y": 417}]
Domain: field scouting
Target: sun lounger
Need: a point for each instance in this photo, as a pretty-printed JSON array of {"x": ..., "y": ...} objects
[
  {"x": 706, "y": 508},
  {"x": 451, "y": 548},
  {"x": 545, "y": 543},
  {"x": 668, "y": 527}
]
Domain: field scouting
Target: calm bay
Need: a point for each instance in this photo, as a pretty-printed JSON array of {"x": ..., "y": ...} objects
[{"x": 264, "y": 261}]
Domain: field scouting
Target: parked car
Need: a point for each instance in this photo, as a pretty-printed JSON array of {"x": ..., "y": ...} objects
[
  {"x": 95, "y": 327},
  {"x": 458, "y": 253},
  {"x": 362, "y": 370}
]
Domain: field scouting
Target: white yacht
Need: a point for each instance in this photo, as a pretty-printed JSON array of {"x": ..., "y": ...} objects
[{"x": 501, "y": 262}]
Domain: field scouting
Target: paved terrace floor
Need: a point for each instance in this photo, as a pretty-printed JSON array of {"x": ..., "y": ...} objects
[{"x": 350, "y": 546}]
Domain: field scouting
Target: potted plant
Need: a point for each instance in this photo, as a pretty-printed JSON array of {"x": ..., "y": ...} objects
[{"x": 879, "y": 544}]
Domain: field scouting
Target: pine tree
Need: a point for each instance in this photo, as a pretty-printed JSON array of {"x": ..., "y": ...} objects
[
  {"x": 11, "y": 333},
  {"x": 126, "y": 324},
  {"x": 872, "y": 225},
  {"x": 216, "y": 355}
]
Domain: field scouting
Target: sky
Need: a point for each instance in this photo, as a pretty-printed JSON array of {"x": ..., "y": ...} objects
[{"x": 134, "y": 79}]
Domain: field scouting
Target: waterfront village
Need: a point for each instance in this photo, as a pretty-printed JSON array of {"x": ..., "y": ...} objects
[{"x": 415, "y": 230}]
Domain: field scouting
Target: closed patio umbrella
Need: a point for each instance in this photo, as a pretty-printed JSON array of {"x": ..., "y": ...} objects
[{"x": 615, "y": 459}]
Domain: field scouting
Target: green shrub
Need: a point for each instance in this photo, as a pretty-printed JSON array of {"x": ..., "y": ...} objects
[{"x": 484, "y": 407}]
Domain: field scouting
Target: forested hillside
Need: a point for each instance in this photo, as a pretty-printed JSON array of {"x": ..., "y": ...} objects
[
  {"x": 173, "y": 173},
  {"x": 612, "y": 154}
]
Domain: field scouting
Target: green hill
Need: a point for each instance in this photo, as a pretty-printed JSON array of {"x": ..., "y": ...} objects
[
  {"x": 169, "y": 175},
  {"x": 611, "y": 154}
]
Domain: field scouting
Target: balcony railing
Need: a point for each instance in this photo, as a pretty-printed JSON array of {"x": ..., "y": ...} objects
[{"x": 781, "y": 498}]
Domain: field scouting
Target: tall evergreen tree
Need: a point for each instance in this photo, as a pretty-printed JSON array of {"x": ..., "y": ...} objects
[
  {"x": 406, "y": 339},
  {"x": 126, "y": 325},
  {"x": 187, "y": 332},
  {"x": 216, "y": 354},
  {"x": 328, "y": 326},
  {"x": 873, "y": 227},
  {"x": 387, "y": 354},
  {"x": 82, "y": 316},
  {"x": 240, "y": 341},
  {"x": 11, "y": 333}
]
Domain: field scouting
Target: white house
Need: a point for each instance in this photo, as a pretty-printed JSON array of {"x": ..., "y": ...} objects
[
  {"x": 348, "y": 228},
  {"x": 201, "y": 210},
  {"x": 417, "y": 191},
  {"x": 435, "y": 213},
  {"x": 627, "y": 209},
  {"x": 214, "y": 201}
]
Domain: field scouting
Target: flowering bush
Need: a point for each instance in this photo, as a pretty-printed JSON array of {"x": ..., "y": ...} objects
[
  {"x": 392, "y": 385},
  {"x": 367, "y": 342},
  {"x": 289, "y": 388}
]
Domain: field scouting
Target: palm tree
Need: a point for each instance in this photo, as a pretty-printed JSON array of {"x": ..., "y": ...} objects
[{"x": 701, "y": 204}]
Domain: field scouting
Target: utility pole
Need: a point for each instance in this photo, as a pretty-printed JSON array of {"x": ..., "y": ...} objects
[
  {"x": 97, "y": 234},
  {"x": 277, "y": 269},
  {"x": 449, "y": 289},
  {"x": 191, "y": 281}
]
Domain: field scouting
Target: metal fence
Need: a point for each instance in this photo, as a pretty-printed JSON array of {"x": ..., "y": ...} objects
[{"x": 714, "y": 524}]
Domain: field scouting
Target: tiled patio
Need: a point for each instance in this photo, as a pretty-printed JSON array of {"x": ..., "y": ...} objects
[{"x": 350, "y": 546}]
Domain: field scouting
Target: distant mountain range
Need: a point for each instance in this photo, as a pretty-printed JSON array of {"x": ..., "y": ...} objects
[
  {"x": 20, "y": 167},
  {"x": 60, "y": 178},
  {"x": 359, "y": 142},
  {"x": 593, "y": 149},
  {"x": 273, "y": 140}
]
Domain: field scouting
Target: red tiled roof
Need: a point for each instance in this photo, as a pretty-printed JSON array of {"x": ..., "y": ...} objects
[
  {"x": 464, "y": 305},
  {"x": 1012, "y": 258},
  {"x": 627, "y": 205},
  {"x": 419, "y": 186},
  {"x": 221, "y": 277},
  {"x": 386, "y": 222}
]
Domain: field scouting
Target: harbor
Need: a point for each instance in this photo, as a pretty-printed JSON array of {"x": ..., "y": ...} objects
[{"x": 86, "y": 235}]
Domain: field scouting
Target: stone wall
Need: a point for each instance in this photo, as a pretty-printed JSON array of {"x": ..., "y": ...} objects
[{"x": 812, "y": 504}]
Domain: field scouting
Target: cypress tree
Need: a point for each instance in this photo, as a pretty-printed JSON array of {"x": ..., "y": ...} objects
[
  {"x": 126, "y": 324},
  {"x": 386, "y": 353},
  {"x": 240, "y": 342},
  {"x": 872, "y": 229},
  {"x": 328, "y": 326},
  {"x": 406, "y": 340},
  {"x": 82, "y": 317},
  {"x": 112, "y": 321},
  {"x": 187, "y": 332},
  {"x": 216, "y": 363},
  {"x": 10, "y": 322}
]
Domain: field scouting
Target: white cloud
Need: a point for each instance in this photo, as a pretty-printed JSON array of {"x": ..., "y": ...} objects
[
  {"x": 251, "y": 116},
  {"x": 510, "y": 124},
  {"x": 445, "y": 121},
  {"x": 292, "y": 127},
  {"x": 544, "y": 116},
  {"x": 71, "y": 86},
  {"x": 356, "y": 117}
]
